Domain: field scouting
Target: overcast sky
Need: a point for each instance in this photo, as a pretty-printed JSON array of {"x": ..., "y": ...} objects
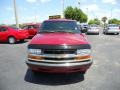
[{"x": 41, "y": 9}]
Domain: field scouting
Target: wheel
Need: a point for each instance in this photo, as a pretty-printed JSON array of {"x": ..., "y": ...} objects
[
  {"x": 117, "y": 33},
  {"x": 106, "y": 33},
  {"x": 11, "y": 40}
]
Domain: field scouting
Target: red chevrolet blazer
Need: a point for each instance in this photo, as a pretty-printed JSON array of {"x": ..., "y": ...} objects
[
  {"x": 12, "y": 34},
  {"x": 59, "y": 47}
]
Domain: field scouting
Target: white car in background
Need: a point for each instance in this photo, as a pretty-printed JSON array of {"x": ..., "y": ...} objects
[
  {"x": 93, "y": 29},
  {"x": 84, "y": 26},
  {"x": 112, "y": 29}
]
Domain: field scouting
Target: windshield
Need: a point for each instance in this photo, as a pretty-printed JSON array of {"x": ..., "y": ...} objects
[
  {"x": 60, "y": 26},
  {"x": 113, "y": 25},
  {"x": 94, "y": 26}
]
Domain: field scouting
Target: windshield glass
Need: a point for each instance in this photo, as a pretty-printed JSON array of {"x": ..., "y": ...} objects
[
  {"x": 94, "y": 26},
  {"x": 60, "y": 26},
  {"x": 113, "y": 25}
]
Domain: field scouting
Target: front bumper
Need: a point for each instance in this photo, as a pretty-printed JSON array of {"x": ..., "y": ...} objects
[
  {"x": 93, "y": 32},
  {"x": 112, "y": 31},
  {"x": 59, "y": 58},
  {"x": 59, "y": 67}
]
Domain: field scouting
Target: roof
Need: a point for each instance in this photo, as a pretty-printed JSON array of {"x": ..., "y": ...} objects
[
  {"x": 60, "y": 20},
  {"x": 31, "y": 24},
  {"x": 83, "y": 24},
  {"x": 4, "y": 26}
]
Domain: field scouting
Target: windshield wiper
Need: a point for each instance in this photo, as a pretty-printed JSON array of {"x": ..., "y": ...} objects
[
  {"x": 46, "y": 31},
  {"x": 56, "y": 31},
  {"x": 65, "y": 31}
]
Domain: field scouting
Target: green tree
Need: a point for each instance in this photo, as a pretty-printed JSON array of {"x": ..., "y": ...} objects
[
  {"x": 69, "y": 13},
  {"x": 91, "y": 22},
  {"x": 104, "y": 19},
  {"x": 114, "y": 21},
  {"x": 94, "y": 21},
  {"x": 84, "y": 18},
  {"x": 75, "y": 14}
]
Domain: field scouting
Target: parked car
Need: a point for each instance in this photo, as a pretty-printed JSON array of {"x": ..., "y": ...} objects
[
  {"x": 82, "y": 30},
  {"x": 84, "y": 26},
  {"x": 32, "y": 29},
  {"x": 93, "y": 29},
  {"x": 112, "y": 28},
  {"x": 12, "y": 34},
  {"x": 59, "y": 47}
]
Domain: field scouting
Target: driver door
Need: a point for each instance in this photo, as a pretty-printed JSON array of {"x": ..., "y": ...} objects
[{"x": 3, "y": 33}]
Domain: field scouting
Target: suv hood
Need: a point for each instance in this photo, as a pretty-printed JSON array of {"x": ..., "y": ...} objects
[{"x": 59, "y": 39}]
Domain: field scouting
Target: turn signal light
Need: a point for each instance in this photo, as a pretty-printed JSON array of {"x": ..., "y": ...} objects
[
  {"x": 35, "y": 58},
  {"x": 83, "y": 58}
]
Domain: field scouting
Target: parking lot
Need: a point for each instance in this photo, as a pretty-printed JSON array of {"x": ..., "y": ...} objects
[{"x": 103, "y": 75}]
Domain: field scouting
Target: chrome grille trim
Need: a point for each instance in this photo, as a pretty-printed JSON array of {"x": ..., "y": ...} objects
[{"x": 57, "y": 55}]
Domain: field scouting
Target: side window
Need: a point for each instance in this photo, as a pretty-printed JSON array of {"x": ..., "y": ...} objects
[
  {"x": 0, "y": 29},
  {"x": 25, "y": 27},
  {"x": 36, "y": 26},
  {"x": 30, "y": 27},
  {"x": 3, "y": 29}
]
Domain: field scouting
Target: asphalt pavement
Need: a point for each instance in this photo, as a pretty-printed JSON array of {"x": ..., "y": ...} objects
[{"x": 104, "y": 74}]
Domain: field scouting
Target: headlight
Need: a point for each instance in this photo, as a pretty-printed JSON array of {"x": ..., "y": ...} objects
[
  {"x": 84, "y": 52},
  {"x": 34, "y": 51}
]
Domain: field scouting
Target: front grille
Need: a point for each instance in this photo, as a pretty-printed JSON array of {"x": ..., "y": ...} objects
[
  {"x": 58, "y": 55},
  {"x": 57, "y": 59},
  {"x": 59, "y": 51}
]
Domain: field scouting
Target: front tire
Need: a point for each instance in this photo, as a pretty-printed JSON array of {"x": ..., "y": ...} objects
[
  {"x": 117, "y": 33},
  {"x": 105, "y": 33},
  {"x": 11, "y": 40}
]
